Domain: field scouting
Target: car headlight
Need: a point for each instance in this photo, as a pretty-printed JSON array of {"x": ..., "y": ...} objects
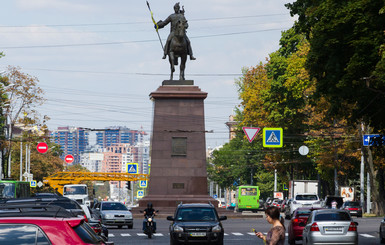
[
  {"x": 217, "y": 228},
  {"x": 128, "y": 216},
  {"x": 108, "y": 216},
  {"x": 177, "y": 228}
]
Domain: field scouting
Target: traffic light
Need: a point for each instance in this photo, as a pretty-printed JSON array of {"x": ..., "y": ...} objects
[{"x": 128, "y": 185}]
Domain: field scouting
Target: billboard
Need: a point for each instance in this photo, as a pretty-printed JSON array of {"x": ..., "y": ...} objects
[{"x": 347, "y": 193}]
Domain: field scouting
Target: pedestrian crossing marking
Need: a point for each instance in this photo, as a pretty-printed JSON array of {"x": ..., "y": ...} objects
[
  {"x": 367, "y": 235},
  {"x": 226, "y": 234},
  {"x": 272, "y": 138}
]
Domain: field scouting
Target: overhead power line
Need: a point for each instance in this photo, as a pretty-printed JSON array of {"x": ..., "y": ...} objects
[
  {"x": 142, "y": 22},
  {"x": 137, "y": 41}
]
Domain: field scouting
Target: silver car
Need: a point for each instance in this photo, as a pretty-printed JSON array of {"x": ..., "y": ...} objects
[
  {"x": 330, "y": 226},
  {"x": 114, "y": 213}
]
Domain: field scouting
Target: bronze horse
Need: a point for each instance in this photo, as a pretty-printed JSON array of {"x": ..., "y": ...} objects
[{"x": 178, "y": 49}]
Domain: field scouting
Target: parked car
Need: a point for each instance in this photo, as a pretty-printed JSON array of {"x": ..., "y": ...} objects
[
  {"x": 95, "y": 222},
  {"x": 114, "y": 213},
  {"x": 382, "y": 231},
  {"x": 196, "y": 223},
  {"x": 304, "y": 200},
  {"x": 277, "y": 203},
  {"x": 68, "y": 204},
  {"x": 268, "y": 202},
  {"x": 354, "y": 208},
  {"x": 33, "y": 224},
  {"x": 329, "y": 201},
  {"x": 330, "y": 226},
  {"x": 287, "y": 208},
  {"x": 294, "y": 228}
]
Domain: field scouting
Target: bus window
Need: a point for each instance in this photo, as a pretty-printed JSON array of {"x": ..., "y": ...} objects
[{"x": 7, "y": 190}]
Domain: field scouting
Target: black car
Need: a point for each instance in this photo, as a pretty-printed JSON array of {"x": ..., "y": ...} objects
[{"x": 196, "y": 223}]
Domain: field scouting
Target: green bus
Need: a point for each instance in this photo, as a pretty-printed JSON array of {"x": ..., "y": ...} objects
[
  {"x": 14, "y": 189},
  {"x": 248, "y": 198}
]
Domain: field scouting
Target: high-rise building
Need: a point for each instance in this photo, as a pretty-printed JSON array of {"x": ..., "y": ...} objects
[
  {"x": 118, "y": 135},
  {"x": 72, "y": 141}
]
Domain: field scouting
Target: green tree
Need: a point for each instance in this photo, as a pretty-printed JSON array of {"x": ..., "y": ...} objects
[
  {"x": 23, "y": 95},
  {"x": 346, "y": 58}
]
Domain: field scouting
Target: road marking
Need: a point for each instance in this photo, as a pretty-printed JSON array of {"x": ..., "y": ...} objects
[
  {"x": 251, "y": 233},
  {"x": 367, "y": 235},
  {"x": 225, "y": 234},
  {"x": 237, "y": 234},
  {"x": 158, "y": 234},
  {"x": 141, "y": 234},
  {"x": 111, "y": 235},
  {"x": 125, "y": 234}
]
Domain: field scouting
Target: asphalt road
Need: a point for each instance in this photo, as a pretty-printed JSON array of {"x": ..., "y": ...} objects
[{"x": 237, "y": 231}]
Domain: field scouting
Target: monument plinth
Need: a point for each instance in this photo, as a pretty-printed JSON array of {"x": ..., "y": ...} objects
[{"x": 178, "y": 150}]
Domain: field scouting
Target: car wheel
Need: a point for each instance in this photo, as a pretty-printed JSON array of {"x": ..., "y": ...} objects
[
  {"x": 292, "y": 242},
  {"x": 130, "y": 226},
  {"x": 382, "y": 240},
  {"x": 220, "y": 242},
  {"x": 172, "y": 242}
]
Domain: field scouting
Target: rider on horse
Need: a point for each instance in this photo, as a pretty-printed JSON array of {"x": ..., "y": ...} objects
[{"x": 174, "y": 18}]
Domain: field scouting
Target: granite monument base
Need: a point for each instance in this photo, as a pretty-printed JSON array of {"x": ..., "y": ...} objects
[{"x": 178, "y": 149}]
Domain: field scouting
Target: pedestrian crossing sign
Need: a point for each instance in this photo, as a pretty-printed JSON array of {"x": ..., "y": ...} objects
[
  {"x": 140, "y": 194},
  {"x": 143, "y": 183},
  {"x": 32, "y": 183},
  {"x": 132, "y": 168},
  {"x": 272, "y": 137}
]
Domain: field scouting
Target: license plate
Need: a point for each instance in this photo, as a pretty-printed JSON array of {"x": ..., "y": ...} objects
[
  {"x": 248, "y": 206},
  {"x": 333, "y": 229},
  {"x": 353, "y": 212},
  {"x": 198, "y": 234}
]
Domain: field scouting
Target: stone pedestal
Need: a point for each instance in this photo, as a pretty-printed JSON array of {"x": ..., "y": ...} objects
[{"x": 178, "y": 150}]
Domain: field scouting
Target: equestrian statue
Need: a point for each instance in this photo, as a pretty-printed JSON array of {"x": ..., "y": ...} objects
[{"x": 177, "y": 44}]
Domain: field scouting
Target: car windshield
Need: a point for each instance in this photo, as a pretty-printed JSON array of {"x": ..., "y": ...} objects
[
  {"x": 113, "y": 206},
  {"x": 303, "y": 213},
  {"x": 352, "y": 204},
  {"x": 340, "y": 216},
  {"x": 306, "y": 197},
  {"x": 196, "y": 214},
  {"x": 75, "y": 190}
]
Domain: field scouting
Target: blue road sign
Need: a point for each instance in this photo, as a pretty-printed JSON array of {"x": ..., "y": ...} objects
[
  {"x": 32, "y": 183},
  {"x": 143, "y": 183},
  {"x": 272, "y": 137},
  {"x": 140, "y": 194},
  {"x": 132, "y": 168},
  {"x": 215, "y": 196},
  {"x": 367, "y": 137}
]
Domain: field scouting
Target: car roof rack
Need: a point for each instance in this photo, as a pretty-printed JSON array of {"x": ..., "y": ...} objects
[{"x": 28, "y": 210}]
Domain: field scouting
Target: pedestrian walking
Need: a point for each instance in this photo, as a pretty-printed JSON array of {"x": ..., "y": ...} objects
[{"x": 276, "y": 235}]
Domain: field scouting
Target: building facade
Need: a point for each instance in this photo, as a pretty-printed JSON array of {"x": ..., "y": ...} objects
[{"x": 72, "y": 140}]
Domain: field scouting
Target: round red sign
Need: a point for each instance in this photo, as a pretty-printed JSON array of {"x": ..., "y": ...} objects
[
  {"x": 69, "y": 159},
  {"x": 42, "y": 147}
]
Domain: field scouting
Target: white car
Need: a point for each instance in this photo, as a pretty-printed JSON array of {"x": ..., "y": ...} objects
[{"x": 304, "y": 200}]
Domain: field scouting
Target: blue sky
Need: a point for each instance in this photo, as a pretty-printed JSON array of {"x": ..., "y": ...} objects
[{"x": 98, "y": 61}]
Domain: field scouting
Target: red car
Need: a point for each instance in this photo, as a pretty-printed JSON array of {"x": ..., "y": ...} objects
[
  {"x": 33, "y": 224},
  {"x": 47, "y": 230},
  {"x": 294, "y": 230}
]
